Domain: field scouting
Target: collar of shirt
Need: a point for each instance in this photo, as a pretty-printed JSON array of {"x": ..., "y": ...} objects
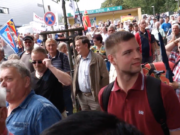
[
  {"x": 24, "y": 104},
  {"x": 88, "y": 57},
  {"x": 138, "y": 85},
  {"x": 57, "y": 53},
  {"x": 142, "y": 32}
]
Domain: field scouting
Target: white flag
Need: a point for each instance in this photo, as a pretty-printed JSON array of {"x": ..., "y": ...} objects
[{"x": 72, "y": 6}]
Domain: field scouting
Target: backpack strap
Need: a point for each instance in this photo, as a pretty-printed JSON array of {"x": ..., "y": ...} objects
[
  {"x": 156, "y": 102},
  {"x": 105, "y": 96}
]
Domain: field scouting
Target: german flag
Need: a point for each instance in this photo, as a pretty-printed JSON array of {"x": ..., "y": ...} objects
[
  {"x": 86, "y": 21},
  {"x": 12, "y": 26}
]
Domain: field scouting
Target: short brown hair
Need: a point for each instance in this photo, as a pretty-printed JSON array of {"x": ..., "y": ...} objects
[
  {"x": 84, "y": 40},
  {"x": 115, "y": 39},
  {"x": 39, "y": 50}
]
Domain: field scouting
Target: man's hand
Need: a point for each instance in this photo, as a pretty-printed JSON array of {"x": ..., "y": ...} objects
[
  {"x": 175, "y": 85},
  {"x": 47, "y": 62},
  {"x": 3, "y": 116}
]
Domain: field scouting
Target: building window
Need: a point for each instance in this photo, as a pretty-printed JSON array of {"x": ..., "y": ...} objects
[{"x": 4, "y": 10}]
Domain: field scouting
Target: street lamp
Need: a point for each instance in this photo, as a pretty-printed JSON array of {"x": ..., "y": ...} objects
[{"x": 153, "y": 10}]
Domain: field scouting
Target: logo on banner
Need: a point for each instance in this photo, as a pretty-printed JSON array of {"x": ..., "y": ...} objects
[
  {"x": 5, "y": 33},
  {"x": 11, "y": 25}
]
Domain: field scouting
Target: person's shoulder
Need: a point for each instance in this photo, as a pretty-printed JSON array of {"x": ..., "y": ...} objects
[{"x": 40, "y": 102}]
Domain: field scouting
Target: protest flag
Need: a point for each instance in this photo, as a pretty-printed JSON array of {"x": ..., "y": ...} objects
[
  {"x": 86, "y": 21},
  {"x": 12, "y": 26},
  {"x": 5, "y": 34}
]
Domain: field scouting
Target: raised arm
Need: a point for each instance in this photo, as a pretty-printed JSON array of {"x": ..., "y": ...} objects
[{"x": 62, "y": 77}]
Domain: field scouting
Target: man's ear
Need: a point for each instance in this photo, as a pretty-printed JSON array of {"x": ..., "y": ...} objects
[
  {"x": 111, "y": 59},
  {"x": 27, "y": 81}
]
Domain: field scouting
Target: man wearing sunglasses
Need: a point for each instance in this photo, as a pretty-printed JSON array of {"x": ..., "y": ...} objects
[
  {"x": 25, "y": 56},
  {"x": 47, "y": 80}
]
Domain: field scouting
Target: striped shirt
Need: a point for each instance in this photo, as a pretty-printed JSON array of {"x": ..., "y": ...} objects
[{"x": 60, "y": 61}]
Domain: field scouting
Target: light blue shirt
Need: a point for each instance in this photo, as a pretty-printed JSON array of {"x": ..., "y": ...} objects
[
  {"x": 83, "y": 74},
  {"x": 32, "y": 116}
]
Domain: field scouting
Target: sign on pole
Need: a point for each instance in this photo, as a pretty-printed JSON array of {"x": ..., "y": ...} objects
[{"x": 49, "y": 18}]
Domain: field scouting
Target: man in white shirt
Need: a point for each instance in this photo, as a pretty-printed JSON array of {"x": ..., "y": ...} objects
[{"x": 104, "y": 33}]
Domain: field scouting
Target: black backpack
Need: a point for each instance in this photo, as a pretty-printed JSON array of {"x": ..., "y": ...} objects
[{"x": 154, "y": 98}]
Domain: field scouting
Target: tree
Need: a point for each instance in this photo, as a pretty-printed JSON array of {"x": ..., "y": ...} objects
[{"x": 146, "y": 5}]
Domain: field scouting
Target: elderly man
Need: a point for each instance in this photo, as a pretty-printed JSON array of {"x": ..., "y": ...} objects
[
  {"x": 145, "y": 41},
  {"x": 27, "y": 112},
  {"x": 111, "y": 29},
  {"x": 157, "y": 30},
  {"x": 25, "y": 56},
  {"x": 104, "y": 33},
  {"x": 90, "y": 75},
  {"x": 47, "y": 80},
  {"x": 175, "y": 33},
  {"x": 60, "y": 61}
]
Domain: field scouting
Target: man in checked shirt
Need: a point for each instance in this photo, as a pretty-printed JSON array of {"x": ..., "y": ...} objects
[{"x": 174, "y": 57}]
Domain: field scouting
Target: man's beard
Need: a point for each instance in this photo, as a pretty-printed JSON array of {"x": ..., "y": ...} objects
[{"x": 2, "y": 96}]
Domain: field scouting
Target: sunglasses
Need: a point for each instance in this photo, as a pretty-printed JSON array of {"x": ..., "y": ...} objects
[{"x": 38, "y": 61}]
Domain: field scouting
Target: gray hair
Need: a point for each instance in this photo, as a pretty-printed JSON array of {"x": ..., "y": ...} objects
[
  {"x": 13, "y": 56},
  {"x": 176, "y": 24},
  {"x": 18, "y": 65},
  {"x": 156, "y": 24},
  {"x": 61, "y": 45},
  {"x": 111, "y": 26}
]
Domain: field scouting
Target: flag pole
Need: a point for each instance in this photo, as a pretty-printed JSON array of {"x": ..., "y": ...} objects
[{"x": 79, "y": 14}]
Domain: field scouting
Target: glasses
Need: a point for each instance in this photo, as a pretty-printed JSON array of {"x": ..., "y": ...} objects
[{"x": 38, "y": 61}]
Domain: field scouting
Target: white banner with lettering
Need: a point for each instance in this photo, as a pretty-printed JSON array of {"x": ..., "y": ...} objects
[{"x": 38, "y": 19}]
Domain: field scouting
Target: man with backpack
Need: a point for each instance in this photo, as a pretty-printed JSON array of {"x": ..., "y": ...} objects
[{"x": 142, "y": 101}]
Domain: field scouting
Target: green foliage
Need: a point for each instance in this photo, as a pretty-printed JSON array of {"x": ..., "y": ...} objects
[{"x": 146, "y": 5}]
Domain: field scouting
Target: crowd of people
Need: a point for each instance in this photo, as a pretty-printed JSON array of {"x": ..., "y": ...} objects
[{"x": 41, "y": 93}]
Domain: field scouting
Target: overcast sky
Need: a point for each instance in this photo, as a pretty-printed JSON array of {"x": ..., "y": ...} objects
[{"x": 87, "y": 5}]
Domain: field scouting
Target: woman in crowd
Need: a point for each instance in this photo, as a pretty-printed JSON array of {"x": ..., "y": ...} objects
[{"x": 100, "y": 49}]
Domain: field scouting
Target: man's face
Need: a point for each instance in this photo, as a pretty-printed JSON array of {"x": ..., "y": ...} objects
[
  {"x": 167, "y": 20},
  {"x": 136, "y": 28},
  {"x": 175, "y": 29},
  {"x": 130, "y": 28},
  {"x": 121, "y": 25},
  {"x": 28, "y": 45},
  {"x": 142, "y": 24},
  {"x": 61, "y": 36},
  {"x": 80, "y": 47},
  {"x": 110, "y": 31},
  {"x": 51, "y": 47},
  {"x": 104, "y": 30},
  {"x": 16, "y": 86},
  {"x": 37, "y": 59},
  {"x": 127, "y": 59},
  {"x": 92, "y": 28}
]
